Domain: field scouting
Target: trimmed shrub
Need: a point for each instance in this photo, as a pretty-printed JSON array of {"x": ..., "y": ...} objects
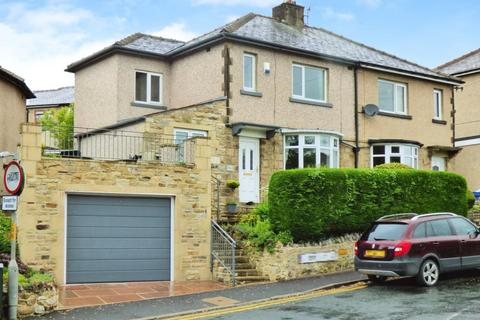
[
  {"x": 470, "y": 199},
  {"x": 312, "y": 204},
  {"x": 4, "y": 233},
  {"x": 393, "y": 165}
]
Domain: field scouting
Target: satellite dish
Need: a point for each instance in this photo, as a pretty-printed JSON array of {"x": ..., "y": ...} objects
[{"x": 370, "y": 110}]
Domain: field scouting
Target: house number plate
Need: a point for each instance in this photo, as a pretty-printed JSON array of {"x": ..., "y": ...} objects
[{"x": 317, "y": 257}]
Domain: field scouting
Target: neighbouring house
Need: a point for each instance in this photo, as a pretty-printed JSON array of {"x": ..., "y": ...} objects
[
  {"x": 48, "y": 99},
  {"x": 13, "y": 93},
  {"x": 171, "y": 118},
  {"x": 467, "y": 114}
]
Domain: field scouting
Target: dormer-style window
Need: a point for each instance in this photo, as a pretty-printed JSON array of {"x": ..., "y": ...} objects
[
  {"x": 148, "y": 87},
  {"x": 392, "y": 97},
  {"x": 249, "y": 72},
  {"x": 309, "y": 83}
]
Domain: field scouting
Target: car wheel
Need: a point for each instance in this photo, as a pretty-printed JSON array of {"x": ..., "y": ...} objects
[
  {"x": 428, "y": 274},
  {"x": 376, "y": 279}
]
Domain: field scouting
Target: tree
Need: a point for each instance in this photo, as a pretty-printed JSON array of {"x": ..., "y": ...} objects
[{"x": 59, "y": 124}]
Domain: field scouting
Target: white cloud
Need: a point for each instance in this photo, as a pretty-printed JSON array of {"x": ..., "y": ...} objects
[
  {"x": 332, "y": 14},
  {"x": 370, "y": 3},
  {"x": 177, "y": 31},
  {"x": 255, "y": 3},
  {"x": 39, "y": 43}
]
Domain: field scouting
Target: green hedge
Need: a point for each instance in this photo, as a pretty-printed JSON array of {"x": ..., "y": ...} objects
[
  {"x": 312, "y": 204},
  {"x": 4, "y": 233}
]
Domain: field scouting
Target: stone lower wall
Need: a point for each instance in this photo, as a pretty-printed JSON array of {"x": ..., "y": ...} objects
[
  {"x": 42, "y": 213},
  {"x": 37, "y": 299},
  {"x": 284, "y": 264}
]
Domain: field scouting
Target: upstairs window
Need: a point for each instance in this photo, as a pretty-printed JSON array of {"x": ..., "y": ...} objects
[
  {"x": 392, "y": 97},
  {"x": 249, "y": 72},
  {"x": 395, "y": 153},
  {"x": 437, "y": 104},
  {"x": 148, "y": 87},
  {"x": 309, "y": 83}
]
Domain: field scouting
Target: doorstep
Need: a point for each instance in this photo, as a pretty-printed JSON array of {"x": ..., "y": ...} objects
[{"x": 88, "y": 295}]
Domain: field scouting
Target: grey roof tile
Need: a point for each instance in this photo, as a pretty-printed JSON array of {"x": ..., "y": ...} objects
[
  {"x": 324, "y": 42},
  {"x": 148, "y": 43},
  {"x": 467, "y": 62},
  {"x": 58, "y": 96}
]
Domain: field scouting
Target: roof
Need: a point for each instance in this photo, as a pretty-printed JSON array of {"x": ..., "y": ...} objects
[
  {"x": 138, "y": 43},
  {"x": 60, "y": 96},
  {"x": 16, "y": 81},
  {"x": 469, "y": 62},
  {"x": 266, "y": 31}
]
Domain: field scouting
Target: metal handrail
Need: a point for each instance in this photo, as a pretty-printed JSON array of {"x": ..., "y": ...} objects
[{"x": 224, "y": 250}]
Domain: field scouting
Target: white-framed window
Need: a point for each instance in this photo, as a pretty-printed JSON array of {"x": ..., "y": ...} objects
[
  {"x": 394, "y": 153},
  {"x": 309, "y": 83},
  {"x": 392, "y": 97},
  {"x": 181, "y": 135},
  {"x": 437, "y": 104},
  {"x": 38, "y": 115},
  {"x": 311, "y": 150},
  {"x": 148, "y": 87},
  {"x": 249, "y": 72}
]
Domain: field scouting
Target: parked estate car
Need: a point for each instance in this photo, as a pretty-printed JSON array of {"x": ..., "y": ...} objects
[{"x": 421, "y": 246}]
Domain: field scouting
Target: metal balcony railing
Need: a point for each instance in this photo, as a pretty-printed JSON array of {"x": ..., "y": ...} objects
[{"x": 112, "y": 144}]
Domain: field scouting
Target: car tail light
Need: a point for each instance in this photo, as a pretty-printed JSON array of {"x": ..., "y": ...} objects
[
  {"x": 355, "y": 248},
  {"x": 402, "y": 248}
]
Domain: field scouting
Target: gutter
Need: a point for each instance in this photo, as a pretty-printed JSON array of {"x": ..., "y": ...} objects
[{"x": 412, "y": 74}]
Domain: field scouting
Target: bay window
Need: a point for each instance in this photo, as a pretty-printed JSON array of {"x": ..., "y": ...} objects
[
  {"x": 311, "y": 150},
  {"x": 394, "y": 153}
]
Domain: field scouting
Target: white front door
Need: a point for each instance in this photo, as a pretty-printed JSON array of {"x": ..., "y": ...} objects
[
  {"x": 438, "y": 163},
  {"x": 249, "y": 169}
]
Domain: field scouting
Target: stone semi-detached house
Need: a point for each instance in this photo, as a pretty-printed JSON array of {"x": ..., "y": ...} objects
[
  {"x": 467, "y": 115},
  {"x": 257, "y": 95},
  {"x": 13, "y": 93}
]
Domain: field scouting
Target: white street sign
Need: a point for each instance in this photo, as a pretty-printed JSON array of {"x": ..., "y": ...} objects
[
  {"x": 9, "y": 203},
  {"x": 318, "y": 257}
]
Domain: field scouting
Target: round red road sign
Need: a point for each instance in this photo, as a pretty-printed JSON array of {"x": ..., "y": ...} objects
[{"x": 14, "y": 178}]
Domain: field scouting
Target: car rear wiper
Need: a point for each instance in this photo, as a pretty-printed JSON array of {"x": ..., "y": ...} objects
[{"x": 380, "y": 239}]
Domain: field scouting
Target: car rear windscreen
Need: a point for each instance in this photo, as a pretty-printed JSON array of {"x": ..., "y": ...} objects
[{"x": 385, "y": 231}]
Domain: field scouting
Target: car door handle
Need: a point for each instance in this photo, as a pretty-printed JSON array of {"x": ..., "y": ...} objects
[{"x": 436, "y": 243}]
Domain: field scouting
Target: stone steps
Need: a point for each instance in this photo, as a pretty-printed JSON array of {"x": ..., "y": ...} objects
[{"x": 251, "y": 279}]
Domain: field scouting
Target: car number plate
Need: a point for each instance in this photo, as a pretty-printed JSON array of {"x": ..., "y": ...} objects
[{"x": 375, "y": 253}]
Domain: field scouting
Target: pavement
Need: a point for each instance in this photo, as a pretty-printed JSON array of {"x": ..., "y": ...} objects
[
  {"x": 455, "y": 297},
  {"x": 199, "y": 302}
]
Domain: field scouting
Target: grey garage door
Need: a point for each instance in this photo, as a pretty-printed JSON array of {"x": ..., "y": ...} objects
[{"x": 112, "y": 239}]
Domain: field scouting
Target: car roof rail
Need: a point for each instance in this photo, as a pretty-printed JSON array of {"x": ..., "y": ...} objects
[
  {"x": 450, "y": 214},
  {"x": 398, "y": 216}
]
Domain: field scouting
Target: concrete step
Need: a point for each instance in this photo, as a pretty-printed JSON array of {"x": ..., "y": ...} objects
[
  {"x": 246, "y": 272},
  {"x": 247, "y": 279}
]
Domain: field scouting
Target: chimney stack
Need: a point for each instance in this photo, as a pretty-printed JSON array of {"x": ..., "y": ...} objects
[{"x": 290, "y": 13}]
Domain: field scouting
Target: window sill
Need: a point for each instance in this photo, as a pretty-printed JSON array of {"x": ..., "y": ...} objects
[
  {"x": 437, "y": 121},
  {"x": 251, "y": 93},
  {"x": 393, "y": 115},
  {"x": 312, "y": 103},
  {"x": 148, "y": 105}
]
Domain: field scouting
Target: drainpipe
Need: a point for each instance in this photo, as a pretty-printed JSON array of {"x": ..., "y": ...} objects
[
  {"x": 226, "y": 79},
  {"x": 453, "y": 114},
  {"x": 356, "y": 149}
]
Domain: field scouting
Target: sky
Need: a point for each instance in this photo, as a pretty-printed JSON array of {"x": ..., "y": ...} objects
[{"x": 39, "y": 38}]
